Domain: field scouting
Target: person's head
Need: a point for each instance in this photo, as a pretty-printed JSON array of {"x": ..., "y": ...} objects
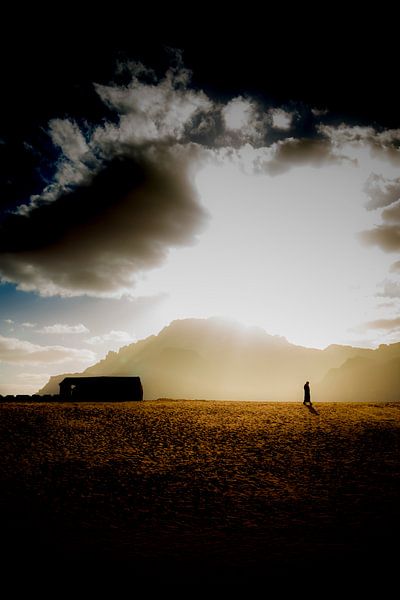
[{"x": 307, "y": 382}]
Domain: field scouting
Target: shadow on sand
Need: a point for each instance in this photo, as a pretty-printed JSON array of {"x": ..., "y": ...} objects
[{"x": 311, "y": 409}]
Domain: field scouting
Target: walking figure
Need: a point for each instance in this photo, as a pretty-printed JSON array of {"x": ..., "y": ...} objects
[{"x": 307, "y": 394}]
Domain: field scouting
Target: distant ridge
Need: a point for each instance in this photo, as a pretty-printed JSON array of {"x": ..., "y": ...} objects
[{"x": 217, "y": 359}]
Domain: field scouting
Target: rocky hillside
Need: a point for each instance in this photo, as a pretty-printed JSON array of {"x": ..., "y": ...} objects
[
  {"x": 211, "y": 358},
  {"x": 374, "y": 377}
]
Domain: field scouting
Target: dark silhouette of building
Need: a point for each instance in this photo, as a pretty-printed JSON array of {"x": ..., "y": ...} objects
[{"x": 101, "y": 389}]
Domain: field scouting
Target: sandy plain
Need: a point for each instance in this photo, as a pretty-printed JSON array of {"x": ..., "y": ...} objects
[{"x": 214, "y": 489}]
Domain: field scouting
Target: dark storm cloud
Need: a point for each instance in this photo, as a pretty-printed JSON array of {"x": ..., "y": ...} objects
[
  {"x": 96, "y": 237},
  {"x": 385, "y": 324},
  {"x": 386, "y": 235},
  {"x": 121, "y": 197},
  {"x": 392, "y": 214},
  {"x": 122, "y": 193},
  {"x": 383, "y": 192},
  {"x": 395, "y": 268},
  {"x": 299, "y": 152}
]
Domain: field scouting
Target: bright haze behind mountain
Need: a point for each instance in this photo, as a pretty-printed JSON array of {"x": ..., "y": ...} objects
[{"x": 216, "y": 359}]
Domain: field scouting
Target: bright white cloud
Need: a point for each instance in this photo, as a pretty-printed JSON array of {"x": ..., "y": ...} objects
[
  {"x": 15, "y": 351},
  {"x": 28, "y": 325},
  {"x": 243, "y": 117},
  {"x": 356, "y": 134},
  {"x": 66, "y": 135},
  {"x": 281, "y": 119},
  {"x": 150, "y": 112},
  {"x": 63, "y": 329},
  {"x": 344, "y": 134},
  {"x": 238, "y": 114},
  {"x": 120, "y": 337},
  {"x": 34, "y": 378},
  {"x": 381, "y": 191}
]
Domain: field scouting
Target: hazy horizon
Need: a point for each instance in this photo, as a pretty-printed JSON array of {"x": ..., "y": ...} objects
[
  {"x": 215, "y": 359},
  {"x": 235, "y": 325}
]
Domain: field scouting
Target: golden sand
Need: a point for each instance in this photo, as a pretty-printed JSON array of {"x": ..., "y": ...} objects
[{"x": 233, "y": 486}]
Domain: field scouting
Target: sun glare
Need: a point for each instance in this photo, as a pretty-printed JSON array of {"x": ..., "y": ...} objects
[{"x": 279, "y": 252}]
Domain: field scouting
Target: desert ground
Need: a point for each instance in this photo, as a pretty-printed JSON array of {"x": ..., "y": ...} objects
[{"x": 224, "y": 489}]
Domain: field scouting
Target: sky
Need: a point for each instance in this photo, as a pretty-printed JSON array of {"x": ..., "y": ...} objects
[{"x": 151, "y": 178}]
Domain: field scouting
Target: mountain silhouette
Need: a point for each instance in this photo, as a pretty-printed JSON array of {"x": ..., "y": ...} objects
[
  {"x": 374, "y": 377},
  {"x": 216, "y": 359}
]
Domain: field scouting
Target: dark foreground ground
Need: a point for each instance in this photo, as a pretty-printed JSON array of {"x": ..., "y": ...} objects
[{"x": 207, "y": 490}]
